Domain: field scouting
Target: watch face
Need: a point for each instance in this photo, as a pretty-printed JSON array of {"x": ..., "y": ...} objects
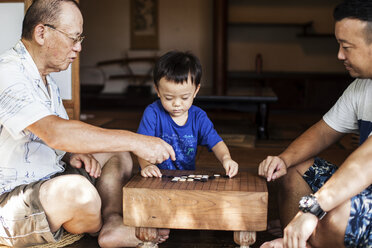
[
  {"x": 309, "y": 204},
  {"x": 306, "y": 202}
]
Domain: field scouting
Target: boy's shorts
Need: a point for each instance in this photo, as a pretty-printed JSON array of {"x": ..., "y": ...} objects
[
  {"x": 358, "y": 231},
  {"x": 22, "y": 218}
]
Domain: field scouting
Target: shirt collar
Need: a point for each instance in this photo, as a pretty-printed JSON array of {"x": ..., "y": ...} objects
[{"x": 30, "y": 66}]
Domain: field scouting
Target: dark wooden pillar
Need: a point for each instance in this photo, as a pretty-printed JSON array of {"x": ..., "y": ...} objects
[{"x": 220, "y": 47}]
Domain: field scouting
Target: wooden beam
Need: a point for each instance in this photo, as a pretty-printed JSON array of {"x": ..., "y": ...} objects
[{"x": 220, "y": 47}]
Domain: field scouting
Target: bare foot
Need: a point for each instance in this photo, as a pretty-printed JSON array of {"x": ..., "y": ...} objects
[
  {"x": 115, "y": 234},
  {"x": 163, "y": 235},
  {"x": 276, "y": 243}
]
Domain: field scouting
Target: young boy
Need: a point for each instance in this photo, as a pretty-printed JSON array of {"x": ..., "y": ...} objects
[{"x": 174, "y": 119}]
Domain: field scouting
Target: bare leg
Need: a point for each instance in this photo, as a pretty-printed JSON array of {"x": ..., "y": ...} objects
[
  {"x": 71, "y": 201},
  {"x": 292, "y": 188},
  {"x": 117, "y": 169},
  {"x": 330, "y": 231}
]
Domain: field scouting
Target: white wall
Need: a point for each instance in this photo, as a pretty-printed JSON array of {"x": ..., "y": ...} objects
[
  {"x": 10, "y": 31},
  {"x": 11, "y": 18}
]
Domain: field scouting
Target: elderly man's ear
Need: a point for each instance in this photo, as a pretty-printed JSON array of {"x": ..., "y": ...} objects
[{"x": 39, "y": 34}]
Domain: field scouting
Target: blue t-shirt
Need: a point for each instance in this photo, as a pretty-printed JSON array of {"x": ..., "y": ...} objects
[{"x": 185, "y": 139}]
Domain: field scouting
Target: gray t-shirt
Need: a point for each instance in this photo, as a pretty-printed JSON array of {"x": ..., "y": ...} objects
[{"x": 352, "y": 112}]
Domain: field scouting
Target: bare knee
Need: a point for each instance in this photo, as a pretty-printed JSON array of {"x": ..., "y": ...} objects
[
  {"x": 330, "y": 231},
  {"x": 71, "y": 191},
  {"x": 85, "y": 195},
  {"x": 290, "y": 182},
  {"x": 291, "y": 188},
  {"x": 71, "y": 201},
  {"x": 121, "y": 163}
]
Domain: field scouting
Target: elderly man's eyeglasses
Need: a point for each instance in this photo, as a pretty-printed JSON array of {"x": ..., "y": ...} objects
[{"x": 74, "y": 39}]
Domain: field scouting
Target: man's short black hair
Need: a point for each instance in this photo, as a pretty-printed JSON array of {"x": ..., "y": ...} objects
[
  {"x": 44, "y": 12},
  {"x": 356, "y": 9},
  {"x": 177, "y": 67}
]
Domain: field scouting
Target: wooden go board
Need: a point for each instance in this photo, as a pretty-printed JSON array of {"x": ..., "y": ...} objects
[{"x": 237, "y": 204}]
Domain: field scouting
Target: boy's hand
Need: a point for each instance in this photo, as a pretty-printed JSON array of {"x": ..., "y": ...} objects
[
  {"x": 231, "y": 167},
  {"x": 151, "y": 171}
]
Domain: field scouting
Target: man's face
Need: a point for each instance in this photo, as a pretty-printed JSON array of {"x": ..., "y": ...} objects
[
  {"x": 354, "y": 49},
  {"x": 61, "y": 49}
]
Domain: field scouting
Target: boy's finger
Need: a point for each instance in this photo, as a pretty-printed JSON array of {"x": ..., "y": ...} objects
[
  {"x": 154, "y": 174},
  {"x": 158, "y": 172}
]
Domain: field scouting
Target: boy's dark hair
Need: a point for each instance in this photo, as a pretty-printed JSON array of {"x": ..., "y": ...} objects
[
  {"x": 42, "y": 11},
  {"x": 356, "y": 9},
  {"x": 178, "y": 67}
]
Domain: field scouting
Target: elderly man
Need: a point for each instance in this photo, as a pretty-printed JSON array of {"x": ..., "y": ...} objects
[
  {"x": 336, "y": 203},
  {"x": 50, "y": 165}
]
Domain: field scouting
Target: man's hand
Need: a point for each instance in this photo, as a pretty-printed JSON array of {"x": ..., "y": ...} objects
[
  {"x": 231, "y": 167},
  {"x": 299, "y": 230},
  {"x": 91, "y": 165},
  {"x": 153, "y": 149},
  {"x": 272, "y": 168},
  {"x": 151, "y": 171}
]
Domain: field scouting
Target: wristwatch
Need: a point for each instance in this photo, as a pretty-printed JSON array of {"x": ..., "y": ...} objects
[{"x": 309, "y": 204}]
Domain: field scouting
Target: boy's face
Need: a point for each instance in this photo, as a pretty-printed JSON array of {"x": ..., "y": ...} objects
[{"x": 176, "y": 98}]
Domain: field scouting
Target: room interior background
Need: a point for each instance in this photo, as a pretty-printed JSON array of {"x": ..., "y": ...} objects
[{"x": 293, "y": 39}]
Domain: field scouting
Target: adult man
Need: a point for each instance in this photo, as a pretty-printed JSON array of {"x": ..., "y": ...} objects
[
  {"x": 346, "y": 197},
  {"x": 39, "y": 194}
]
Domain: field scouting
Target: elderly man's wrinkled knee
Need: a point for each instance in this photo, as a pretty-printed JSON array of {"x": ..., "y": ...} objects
[
  {"x": 76, "y": 197},
  {"x": 82, "y": 194}
]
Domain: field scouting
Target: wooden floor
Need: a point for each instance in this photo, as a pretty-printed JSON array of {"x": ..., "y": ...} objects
[{"x": 283, "y": 128}]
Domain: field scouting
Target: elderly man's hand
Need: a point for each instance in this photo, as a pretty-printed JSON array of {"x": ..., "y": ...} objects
[
  {"x": 153, "y": 149},
  {"x": 91, "y": 165}
]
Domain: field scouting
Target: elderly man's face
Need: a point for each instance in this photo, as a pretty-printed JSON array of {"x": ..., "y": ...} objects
[
  {"x": 354, "y": 51},
  {"x": 61, "y": 49}
]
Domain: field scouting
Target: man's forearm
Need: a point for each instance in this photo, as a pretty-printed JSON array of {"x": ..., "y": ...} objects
[
  {"x": 79, "y": 137},
  {"x": 310, "y": 143},
  {"x": 352, "y": 177}
]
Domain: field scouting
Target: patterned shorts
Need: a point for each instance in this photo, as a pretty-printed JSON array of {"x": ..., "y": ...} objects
[
  {"x": 23, "y": 221},
  {"x": 358, "y": 231}
]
